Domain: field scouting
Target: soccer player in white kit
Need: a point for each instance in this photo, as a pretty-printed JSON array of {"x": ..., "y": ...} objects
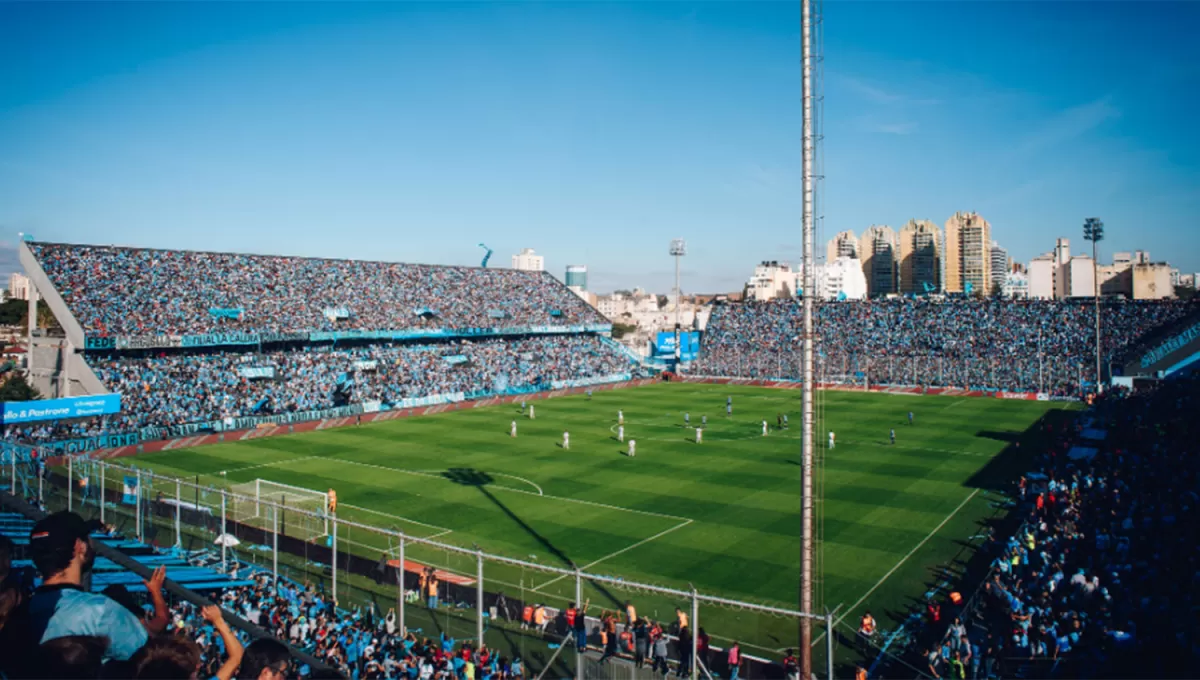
[
  {"x": 620, "y": 417},
  {"x": 512, "y": 432},
  {"x": 764, "y": 428},
  {"x": 566, "y": 440},
  {"x": 632, "y": 448},
  {"x": 699, "y": 434},
  {"x": 831, "y": 439},
  {"x": 620, "y": 433},
  {"x": 531, "y": 412}
]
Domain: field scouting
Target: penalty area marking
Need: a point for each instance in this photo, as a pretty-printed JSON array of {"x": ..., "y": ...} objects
[
  {"x": 904, "y": 559},
  {"x": 606, "y": 506},
  {"x": 263, "y": 465},
  {"x": 622, "y": 551},
  {"x": 442, "y": 531}
]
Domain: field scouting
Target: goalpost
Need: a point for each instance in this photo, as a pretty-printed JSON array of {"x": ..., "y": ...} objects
[{"x": 250, "y": 507}]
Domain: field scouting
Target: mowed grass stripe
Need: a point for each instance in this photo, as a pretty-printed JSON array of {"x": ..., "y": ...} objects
[{"x": 741, "y": 489}]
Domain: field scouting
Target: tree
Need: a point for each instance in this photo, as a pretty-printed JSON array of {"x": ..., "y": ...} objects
[
  {"x": 17, "y": 389},
  {"x": 620, "y": 330},
  {"x": 662, "y": 301},
  {"x": 12, "y": 312},
  {"x": 45, "y": 318}
]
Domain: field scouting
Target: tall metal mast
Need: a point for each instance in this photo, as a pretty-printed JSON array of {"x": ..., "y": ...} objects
[{"x": 808, "y": 525}]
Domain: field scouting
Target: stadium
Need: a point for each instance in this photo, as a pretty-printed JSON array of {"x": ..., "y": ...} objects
[
  {"x": 441, "y": 422},
  {"x": 223, "y": 464}
]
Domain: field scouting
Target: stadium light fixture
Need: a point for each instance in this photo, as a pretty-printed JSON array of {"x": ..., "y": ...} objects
[
  {"x": 1093, "y": 230},
  {"x": 678, "y": 250}
]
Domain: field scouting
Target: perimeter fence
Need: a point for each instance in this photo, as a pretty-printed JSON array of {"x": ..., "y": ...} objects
[{"x": 374, "y": 564}]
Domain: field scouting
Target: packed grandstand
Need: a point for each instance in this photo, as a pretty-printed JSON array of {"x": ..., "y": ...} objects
[{"x": 1094, "y": 577}]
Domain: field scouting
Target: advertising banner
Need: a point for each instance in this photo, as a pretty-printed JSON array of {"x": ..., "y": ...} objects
[
  {"x": 254, "y": 372},
  {"x": 367, "y": 365},
  {"x": 149, "y": 342},
  {"x": 60, "y": 409},
  {"x": 371, "y": 406},
  {"x": 455, "y": 359},
  {"x": 337, "y": 313},
  {"x": 225, "y": 313},
  {"x": 664, "y": 345}
]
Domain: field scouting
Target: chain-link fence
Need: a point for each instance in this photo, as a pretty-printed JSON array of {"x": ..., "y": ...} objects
[{"x": 380, "y": 565}]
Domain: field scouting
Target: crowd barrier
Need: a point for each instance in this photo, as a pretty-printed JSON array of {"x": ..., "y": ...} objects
[
  {"x": 343, "y": 553},
  {"x": 102, "y": 343}
]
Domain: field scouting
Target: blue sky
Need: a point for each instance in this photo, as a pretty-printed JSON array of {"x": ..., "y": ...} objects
[{"x": 592, "y": 132}]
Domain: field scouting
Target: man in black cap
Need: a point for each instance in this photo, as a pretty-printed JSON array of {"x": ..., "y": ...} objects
[{"x": 63, "y": 554}]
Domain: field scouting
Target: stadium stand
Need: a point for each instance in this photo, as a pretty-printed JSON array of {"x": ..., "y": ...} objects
[
  {"x": 138, "y": 292},
  {"x": 1036, "y": 346},
  {"x": 1100, "y": 579},
  {"x": 201, "y": 339}
]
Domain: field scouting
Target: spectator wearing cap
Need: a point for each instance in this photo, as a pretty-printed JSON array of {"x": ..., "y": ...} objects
[{"x": 60, "y": 607}]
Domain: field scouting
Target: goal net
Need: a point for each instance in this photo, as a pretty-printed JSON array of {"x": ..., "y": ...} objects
[{"x": 266, "y": 504}]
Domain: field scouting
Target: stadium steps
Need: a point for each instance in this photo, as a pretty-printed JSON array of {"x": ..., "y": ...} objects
[{"x": 46, "y": 353}]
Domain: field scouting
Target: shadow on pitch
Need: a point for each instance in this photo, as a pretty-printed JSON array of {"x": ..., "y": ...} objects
[{"x": 481, "y": 480}]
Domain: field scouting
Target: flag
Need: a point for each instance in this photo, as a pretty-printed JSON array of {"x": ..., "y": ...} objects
[{"x": 130, "y": 491}]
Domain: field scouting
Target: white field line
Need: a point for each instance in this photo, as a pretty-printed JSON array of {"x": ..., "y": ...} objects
[
  {"x": 520, "y": 479},
  {"x": 904, "y": 559},
  {"x": 956, "y": 403},
  {"x": 642, "y": 542},
  {"x": 528, "y": 493},
  {"x": 917, "y": 448},
  {"x": 278, "y": 462},
  {"x": 443, "y": 530}
]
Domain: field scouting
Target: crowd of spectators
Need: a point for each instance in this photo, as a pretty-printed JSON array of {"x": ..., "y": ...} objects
[
  {"x": 137, "y": 292},
  {"x": 1104, "y": 573},
  {"x": 164, "y": 389},
  {"x": 1034, "y": 346}
]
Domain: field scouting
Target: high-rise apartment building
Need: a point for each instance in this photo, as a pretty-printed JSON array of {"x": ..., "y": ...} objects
[
  {"x": 920, "y": 257},
  {"x": 1000, "y": 266},
  {"x": 845, "y": 244},
  {"x": 19, "y": 287},
  {"x": 968, "y": 254},
  {"x": 879, "y": 257}
]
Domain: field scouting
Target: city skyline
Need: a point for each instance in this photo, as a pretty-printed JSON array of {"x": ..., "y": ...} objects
[{"x": 592, "y": 133}]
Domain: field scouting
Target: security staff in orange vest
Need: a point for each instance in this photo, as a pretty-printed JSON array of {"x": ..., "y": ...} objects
[{"x": 332, "y": 501}]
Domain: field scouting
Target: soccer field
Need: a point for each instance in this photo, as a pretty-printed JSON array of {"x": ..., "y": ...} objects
[{"x": 723, "y": 515}]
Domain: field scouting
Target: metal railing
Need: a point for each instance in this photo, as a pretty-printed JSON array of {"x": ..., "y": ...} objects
[{"x": 475, "y": 592}]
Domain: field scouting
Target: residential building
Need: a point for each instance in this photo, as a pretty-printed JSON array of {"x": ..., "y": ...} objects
[
  {"x": 1000, "y": 267},
  {"x": 841, "y": 279},
  {"x": 1152, "y": 281},
  {"x": 879, "y": 250},
  {"x": 772, "y": 280},
  {"x": 19, "y": 287},
  {"x": 1116, "y": 279},
  {"x": 528, "y": 261},
  {"x": 967, "y": 254},
  {"x": 1042, "y": 277},
  {"x": 920, "y": 257},
  {"x": 1078, "y": 277},
  {"x": 1015, "y": 286},
  {"x": 845, "y": 244}
]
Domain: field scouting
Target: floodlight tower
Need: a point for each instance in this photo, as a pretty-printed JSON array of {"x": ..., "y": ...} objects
[
  {"x": 1093, "y": 230},
  {"x": 808, "y": 21},
  {"x": 678, "y": 250}
]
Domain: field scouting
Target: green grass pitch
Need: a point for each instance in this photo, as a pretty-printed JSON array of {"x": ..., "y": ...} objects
[{"x": 722, "y": 515}]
